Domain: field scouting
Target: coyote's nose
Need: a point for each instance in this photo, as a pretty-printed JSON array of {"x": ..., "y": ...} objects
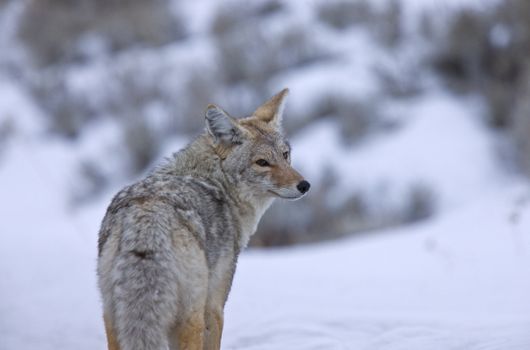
[{"x": 303, "y": 186}]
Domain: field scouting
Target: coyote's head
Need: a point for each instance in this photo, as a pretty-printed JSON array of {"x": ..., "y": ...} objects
[{"x": 254, "y": 151}]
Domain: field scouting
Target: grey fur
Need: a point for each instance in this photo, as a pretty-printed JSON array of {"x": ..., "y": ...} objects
[
  {"x": 168, "y": 244},
  {"x": 221, "y": 126}
]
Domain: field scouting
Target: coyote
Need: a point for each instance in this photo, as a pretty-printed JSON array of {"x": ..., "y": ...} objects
[{"x": 169, "y": 244}]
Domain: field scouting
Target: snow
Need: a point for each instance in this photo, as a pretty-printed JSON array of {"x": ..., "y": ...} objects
[
  {"x": 47, "y": 264},
  {"x": 454, "y": 283}
]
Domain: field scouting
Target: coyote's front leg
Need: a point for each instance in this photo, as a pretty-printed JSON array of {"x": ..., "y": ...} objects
[
  {"x": 214, "y": 328},
  {"x": 189, "y": 333},
  {"x": 112, "y": 339}
]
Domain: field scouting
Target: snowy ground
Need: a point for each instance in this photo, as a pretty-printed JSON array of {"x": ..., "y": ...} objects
[
  {"x": 458, "y": 281},
  {"x": 461, "y": 282}
]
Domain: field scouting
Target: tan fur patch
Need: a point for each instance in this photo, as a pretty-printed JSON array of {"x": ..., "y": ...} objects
[
  {"x": 222, "y": 151},
  {"x": 270, "y": 110},
  {"x": 190, "y": 334},
  {"x": 214, "y": 329},
  {"x": 112, "y": 341},
  {"x": 256, "y": 127},
  {"x": 285, "y": 176}
]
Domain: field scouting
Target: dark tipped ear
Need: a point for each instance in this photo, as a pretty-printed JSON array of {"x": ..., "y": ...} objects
[
  {"x": 222, "y": 127},
  {"x": 271, "y": 111}
]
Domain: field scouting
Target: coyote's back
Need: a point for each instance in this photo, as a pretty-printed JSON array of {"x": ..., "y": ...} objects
[{"x": 168, "y": 244}]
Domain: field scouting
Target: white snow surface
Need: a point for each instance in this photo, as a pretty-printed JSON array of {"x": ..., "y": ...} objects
[{"x": 458, "y": 281}]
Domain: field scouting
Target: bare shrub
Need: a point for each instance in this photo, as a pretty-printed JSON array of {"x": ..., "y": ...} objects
[
  {"x": 322, "y": 107},
  {"x": 67, "y": 112},
  {"x": 254, "y": 57},
  {"x": 357, "y": 118},
  {"x": 343, "y": 14},
  {"x": 146, "y": 102},
  {"x": 420, "y": 205},
  {"x": 233, "y": 13},
  {"x": 507, "y": 60},
  {"x": 135, "y": 89},
  {"x": 141, "y": 142},
  {"x": 200, "y": 88},
  {"x": 400, "y": 80},
  {"x": 250, "y": 53},
  {"x": 323, "y": 215},
  {"x": 520, "y": 129},
  {"x": 91, "y": 182},
  {"x": 488, "y": 53},
  {"x": 466, "y": 43},
  {"x": 388, "y": 26},
  {"x": 7, "y": 130},
  {"x": 120, "y": 24},
  {"x": 384, "y": 23}
]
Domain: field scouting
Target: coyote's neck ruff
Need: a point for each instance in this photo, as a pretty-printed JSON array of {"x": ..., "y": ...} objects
[
  {"x": 202, "y": 163},
  {"x": 169, "y": 243}
]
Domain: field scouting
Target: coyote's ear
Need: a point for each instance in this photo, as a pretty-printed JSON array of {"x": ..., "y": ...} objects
[
  {"x": 222, "y": 127},
  {"x": 271, "y": 111}
]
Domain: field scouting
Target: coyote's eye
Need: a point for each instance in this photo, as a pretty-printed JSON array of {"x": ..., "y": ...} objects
[
  {"x": 285, "y": 155},
  {"x": 262, "y": 162}
]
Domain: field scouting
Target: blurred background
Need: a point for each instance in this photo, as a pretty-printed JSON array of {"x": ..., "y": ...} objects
[{"x": 401, "y": 113}]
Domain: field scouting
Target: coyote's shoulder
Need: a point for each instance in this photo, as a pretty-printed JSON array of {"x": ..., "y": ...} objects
[{"x": 168, "y": 244}]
